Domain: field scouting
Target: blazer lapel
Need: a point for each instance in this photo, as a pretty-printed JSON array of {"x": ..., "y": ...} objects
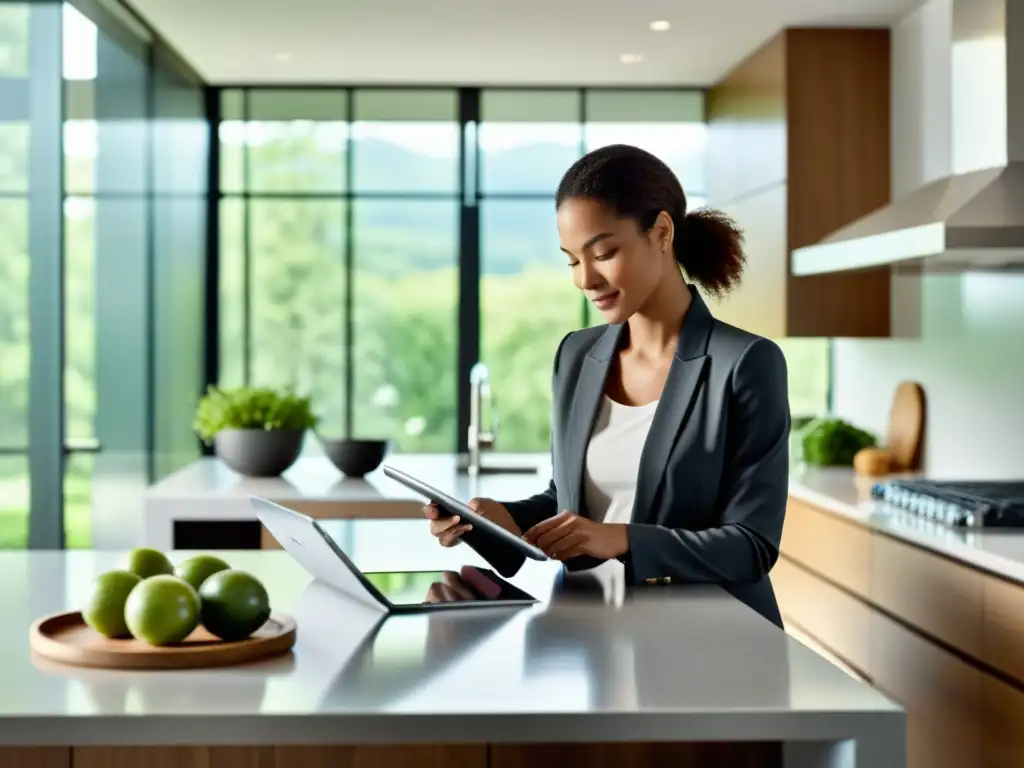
[
  {"x": 589, "y": 390},
  {"x": 684, "y": 379}
]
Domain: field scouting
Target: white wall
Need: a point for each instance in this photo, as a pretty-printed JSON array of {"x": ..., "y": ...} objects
[{"x": 963, "y": 334}]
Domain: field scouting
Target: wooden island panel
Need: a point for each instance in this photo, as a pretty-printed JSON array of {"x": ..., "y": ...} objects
[
  {"x": 619, "y": 755},
  {"x": 370, "y": 756},
  {"x": 596, "y": 755},
  {"x": 35, "y": 757}
]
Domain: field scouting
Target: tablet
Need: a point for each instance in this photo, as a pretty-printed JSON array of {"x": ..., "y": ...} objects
[
  {"x": 465, "y": 513},
  {"x": 396, "y": 592}
]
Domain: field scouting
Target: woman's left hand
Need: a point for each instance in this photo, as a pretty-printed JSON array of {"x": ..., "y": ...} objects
[{"x": 568, "y": 535}]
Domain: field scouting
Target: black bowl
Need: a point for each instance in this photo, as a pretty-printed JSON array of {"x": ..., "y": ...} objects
[{"x": 354, "y": 458}]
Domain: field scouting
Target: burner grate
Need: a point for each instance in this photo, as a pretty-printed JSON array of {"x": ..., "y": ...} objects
[{"x": 971, "y": 504}]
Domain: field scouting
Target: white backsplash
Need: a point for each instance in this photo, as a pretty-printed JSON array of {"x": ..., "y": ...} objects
[{"x": 963, "y": 334}]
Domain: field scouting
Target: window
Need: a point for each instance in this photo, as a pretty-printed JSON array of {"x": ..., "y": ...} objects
[
  {"x": 297, "y": 258},
  {"x": 296, "y": 142},
  {"x": 669, "y": 124},
  {"x": 405, "y": 331},
  {"x": 808, "y": 361},
  {"x": 346, "y": 216},
  {"x": 405, "y": 254},
  {"x": 14, "y": 40},
  {"x": 339, "y": 254},
  {"x": 528, "y": 302},
  {"x": 14, "y": 275}
]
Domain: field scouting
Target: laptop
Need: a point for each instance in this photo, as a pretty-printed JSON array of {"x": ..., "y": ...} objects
[{"x": 387, "y": 592}]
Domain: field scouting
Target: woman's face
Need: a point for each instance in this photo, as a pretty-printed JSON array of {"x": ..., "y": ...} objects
[{"x": 617, "y": 266}]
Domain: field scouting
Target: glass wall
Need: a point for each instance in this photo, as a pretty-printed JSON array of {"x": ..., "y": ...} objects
[
  {"x": 15, "y": 137},
  {"x": 349, "y": 219},
  {"x": 103, "y": 177},
  {"x": 136, "y": 172}
]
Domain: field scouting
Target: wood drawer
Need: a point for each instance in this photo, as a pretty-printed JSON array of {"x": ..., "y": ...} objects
[
  {"x": 941, "y": 693},
  {"x": 929, "y": 592},
  {"x": 823, "y": 543},
  {"x": 841, "y": 623},
  {"x": 1003, "y": 628},
  {"x": 1003, "y": 724}
]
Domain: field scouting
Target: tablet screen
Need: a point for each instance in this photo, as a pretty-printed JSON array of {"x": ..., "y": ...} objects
[{"x": 467, "y": 585}]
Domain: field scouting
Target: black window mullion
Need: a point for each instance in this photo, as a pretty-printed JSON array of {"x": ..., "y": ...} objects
[
  {"x": 469, "y": 260},
  {"x": 212, "y": 331},
  {"x": 246, "y": 247},
  {"x": 349, "y": 240}
]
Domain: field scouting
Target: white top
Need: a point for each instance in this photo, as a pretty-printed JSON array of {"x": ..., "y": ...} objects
[{"x": 613, "y": 459}]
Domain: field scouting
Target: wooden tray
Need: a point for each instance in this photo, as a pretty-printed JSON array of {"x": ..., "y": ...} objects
[{"x": 67, "y": 639}]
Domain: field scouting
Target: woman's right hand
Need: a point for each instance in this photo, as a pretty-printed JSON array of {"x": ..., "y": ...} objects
[{"x": 449, "y": 529}]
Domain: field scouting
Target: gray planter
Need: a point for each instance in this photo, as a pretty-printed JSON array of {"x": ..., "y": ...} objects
[{"x": 259, "y": 452}]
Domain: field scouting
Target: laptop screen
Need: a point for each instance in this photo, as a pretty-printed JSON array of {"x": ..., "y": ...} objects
[{"x": 468, "y": 584}]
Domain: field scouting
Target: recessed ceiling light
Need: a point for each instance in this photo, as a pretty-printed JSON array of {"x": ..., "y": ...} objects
[
  {"x": 660, "y": 26},
  {"x": 282, "y": 57},
  {"x": 631, "y": 58}
]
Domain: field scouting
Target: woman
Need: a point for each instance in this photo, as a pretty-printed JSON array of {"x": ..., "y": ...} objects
[{"x": 670, "y": 428}]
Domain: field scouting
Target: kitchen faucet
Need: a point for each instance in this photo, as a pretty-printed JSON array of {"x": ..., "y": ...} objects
[{"x": 480, "y": 390}]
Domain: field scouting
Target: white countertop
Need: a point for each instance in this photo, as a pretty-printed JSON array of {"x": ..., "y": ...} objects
[
  {"x": 668, "y": 663},
  {"x": 314, "y": 478},
  {"x": 841, "y": 491}
]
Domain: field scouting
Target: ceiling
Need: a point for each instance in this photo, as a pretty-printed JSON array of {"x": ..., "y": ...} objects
[{"x": 485, "y": 42}]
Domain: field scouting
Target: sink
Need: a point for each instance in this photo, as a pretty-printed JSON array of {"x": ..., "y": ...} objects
[{"x": 499, "y": 470}]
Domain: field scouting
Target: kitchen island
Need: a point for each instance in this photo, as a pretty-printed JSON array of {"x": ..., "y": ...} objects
[
  {"x": 589, "y": 676},
  {"x": 206, "y": 505}
]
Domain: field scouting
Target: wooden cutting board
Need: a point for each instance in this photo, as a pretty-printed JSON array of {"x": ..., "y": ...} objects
[{"x": 904, "y": 438}]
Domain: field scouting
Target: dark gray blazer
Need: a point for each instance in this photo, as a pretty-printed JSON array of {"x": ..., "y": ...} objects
[{"x": 713, "y": 479}]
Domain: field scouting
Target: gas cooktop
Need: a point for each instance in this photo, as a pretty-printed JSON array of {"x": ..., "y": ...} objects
[{"x": 964, "y": 504}]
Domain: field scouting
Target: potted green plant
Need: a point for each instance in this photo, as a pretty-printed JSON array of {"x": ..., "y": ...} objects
[{"x": 256, "y": 431}]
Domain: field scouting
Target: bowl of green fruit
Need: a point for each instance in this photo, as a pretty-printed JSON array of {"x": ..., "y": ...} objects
[
  {"x": 256, "y": 431},
  {"x": 152, "y": 614}
]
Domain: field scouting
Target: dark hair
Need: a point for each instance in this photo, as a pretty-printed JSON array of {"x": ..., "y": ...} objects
[{"x": 635, "y": 184}]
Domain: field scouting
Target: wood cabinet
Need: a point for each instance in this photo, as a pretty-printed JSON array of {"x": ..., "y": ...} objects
[
  {"x": 941, "y": 693},
  {"x": 936, "y": 596},
  {"x": 798, "y": 146},
  {"x": 829, "y": 615},
  {"x": 937, "y": 635},
  {"x": 829, "y": 546}
]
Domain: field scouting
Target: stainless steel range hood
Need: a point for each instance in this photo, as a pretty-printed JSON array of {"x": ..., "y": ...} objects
[{"x": 972, "y": 219}]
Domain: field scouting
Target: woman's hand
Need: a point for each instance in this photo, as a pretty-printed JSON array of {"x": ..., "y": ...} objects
[
  {"x": 468, "y": 584},
  {"x": 568, "y": 535},
  {"x": 448, "y": 529},
  {"x": 452, "y": 588}
]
